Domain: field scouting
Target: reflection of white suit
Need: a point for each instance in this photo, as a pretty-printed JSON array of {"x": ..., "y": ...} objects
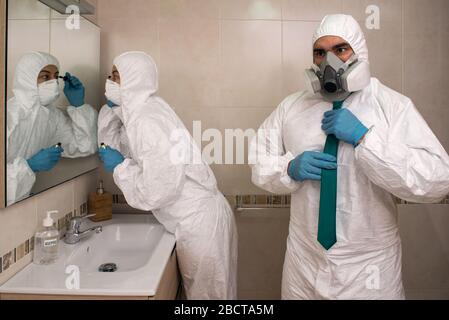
[
  {"x": 399, "y": 156},
  {"x": 32, "y": 127},
  {"x": 183, "y": 196}
]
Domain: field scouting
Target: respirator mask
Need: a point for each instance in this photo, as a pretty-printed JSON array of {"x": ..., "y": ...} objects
[
  {"x": 335, "y": 79},
  {"x": 113, "y": 92}
]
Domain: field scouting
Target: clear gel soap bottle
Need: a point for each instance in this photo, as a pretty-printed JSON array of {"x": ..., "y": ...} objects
[{"x": 46, "y": 242}]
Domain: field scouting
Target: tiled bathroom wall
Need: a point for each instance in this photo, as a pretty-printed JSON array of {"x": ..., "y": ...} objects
[{"x": 19, "y": 223}]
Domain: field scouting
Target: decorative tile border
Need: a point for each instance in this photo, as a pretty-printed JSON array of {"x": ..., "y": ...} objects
[
  {"x": 8, "y": 259},
  {"x": 264, "y": 201},
  {"x": 400, "y": 201},
  {"x": 27, "y": 247},
  {"x": 118, "y": 199}
]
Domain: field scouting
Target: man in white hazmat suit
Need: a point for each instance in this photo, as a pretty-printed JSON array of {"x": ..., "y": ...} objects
[
  {"x": 146, "y": 141},
  {"x": 384, "y": 149},
  {"x": 35, "y": 127}
]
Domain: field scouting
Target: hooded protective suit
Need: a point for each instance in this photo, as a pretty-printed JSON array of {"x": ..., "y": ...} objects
[
  {"x": 32, "y": 127},
  {"x": 163, "y": 172},
  {"x": 399, "y": 156}
]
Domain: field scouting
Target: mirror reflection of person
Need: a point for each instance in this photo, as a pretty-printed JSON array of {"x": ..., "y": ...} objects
[{"x": 35, "y": 126}]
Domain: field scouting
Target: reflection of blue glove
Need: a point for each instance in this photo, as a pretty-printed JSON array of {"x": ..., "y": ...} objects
[
  {"x": 344, "y": 125},
  {"x": 111, "y": 158},
  {"x": 74, "y": 90},
  {"x": 308, "y": 166},
  {"x": 46, "y": 159},
  {"x": 111, "y": 104}
]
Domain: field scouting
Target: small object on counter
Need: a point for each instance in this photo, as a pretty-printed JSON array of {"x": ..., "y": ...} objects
[
  {"x": 103, "y": 145},
  {"x": 46, "y": 242},
  {"x": 100, "y": 204}
]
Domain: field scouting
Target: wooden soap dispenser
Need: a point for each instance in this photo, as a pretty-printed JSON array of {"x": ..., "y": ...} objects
[{"x": 100, "y": 204}]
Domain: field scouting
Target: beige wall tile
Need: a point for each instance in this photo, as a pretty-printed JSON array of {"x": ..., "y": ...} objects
[
  {"x": 137, "y": 9},
  {"x": 420, "y": 294},
  {"x": 27, "y": 9},
  {"x": 390, "y": 10},
  {"x": 235, "y": 180},
  {"x": 17, "y": 223},
  {"x": 385, "y": 50},
  {"x": 425, "y": 243},
  {"x": 251, "y": 9},
  {"x": 25, "y": 36},
  {"x": 61, "y": 198},
  {"x": 425, "y": 73},
  {"x": 189, "y": 9},
  {"x": 307, "y": 10},
  {"x": 297, "y": 53},
  {"x": 251, "y": 63},
  {"x": 84, "y": 185},
  {"x": 189, "y": 62},
  {"x": 262, "y": 244},
  {"x": 72, "y": 47}
]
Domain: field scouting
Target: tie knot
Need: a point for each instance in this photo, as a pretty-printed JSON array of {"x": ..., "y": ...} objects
[{"x": 338, "y": 105}]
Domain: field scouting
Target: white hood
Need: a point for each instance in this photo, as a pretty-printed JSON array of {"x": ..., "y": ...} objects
[
  {"x": 347, "y": 28},
  {"x": 138, "y": 77},
  {"x": 25, "y": 79}
]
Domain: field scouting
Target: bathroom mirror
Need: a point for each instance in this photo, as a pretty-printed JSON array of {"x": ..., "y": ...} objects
[{"x": 51, "y": 98}]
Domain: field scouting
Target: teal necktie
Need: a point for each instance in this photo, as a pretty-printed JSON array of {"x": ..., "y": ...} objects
[{"x": 327, "y": 231}]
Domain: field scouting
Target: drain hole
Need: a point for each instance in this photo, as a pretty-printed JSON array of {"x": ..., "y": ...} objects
[{"x": 108, "y": 267}]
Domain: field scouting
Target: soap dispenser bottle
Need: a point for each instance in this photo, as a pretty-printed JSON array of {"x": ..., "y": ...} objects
[
  {"x": 46, "y": 242},
  {"x": 100, "y": 204}
]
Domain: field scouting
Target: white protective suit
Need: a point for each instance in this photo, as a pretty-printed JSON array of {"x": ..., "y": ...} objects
[
  {"x": 32, "y": 127},
  {"x": 399, "y": 156},
  {"x": 183, "y": 196}
]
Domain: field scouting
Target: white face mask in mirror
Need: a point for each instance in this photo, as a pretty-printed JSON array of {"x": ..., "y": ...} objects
[
  {"x": 48, "y": 92},
  {"x": 113, "y": 93}
]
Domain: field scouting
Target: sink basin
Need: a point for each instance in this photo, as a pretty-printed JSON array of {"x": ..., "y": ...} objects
[
  {"x": 137, "y": 245},
  {"x": 128, "y": 245}
]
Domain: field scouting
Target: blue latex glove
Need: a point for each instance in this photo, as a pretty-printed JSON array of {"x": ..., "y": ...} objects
[
  {"x": 111, "y": 158},
  {"x": 344, "y": 125},
  {"x": 74, "y": 90},
  {"x": 46, "y": 159},
  {"x": 308, "y": 166},
  {"x": 111, "y": 104}
]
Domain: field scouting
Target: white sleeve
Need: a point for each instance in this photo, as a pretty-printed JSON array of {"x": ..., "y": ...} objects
[
  {"x": 268, "y": 158},
  {"x": 78, "y": 131},
  {"x": 20, "y": 180},
  {"x": 152, "y": 180},
  {"x": 111, "y": 131},
  {"x": 405, "y": 158}
]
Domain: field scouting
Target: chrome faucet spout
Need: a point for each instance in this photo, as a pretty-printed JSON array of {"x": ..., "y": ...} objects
[{"x": 74, "y": 235}]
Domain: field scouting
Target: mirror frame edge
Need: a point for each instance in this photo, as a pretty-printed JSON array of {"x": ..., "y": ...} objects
[{"x": 3, "y": 29}]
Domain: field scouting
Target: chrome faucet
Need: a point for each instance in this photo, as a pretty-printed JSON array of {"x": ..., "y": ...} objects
[{"x": 74, "y": 235}]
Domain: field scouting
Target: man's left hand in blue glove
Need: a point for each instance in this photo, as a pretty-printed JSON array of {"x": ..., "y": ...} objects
[
  {"x": 74, "y": 90},
  {"x": 111, "y": 158},
  {"x": 344, "y": 125}
]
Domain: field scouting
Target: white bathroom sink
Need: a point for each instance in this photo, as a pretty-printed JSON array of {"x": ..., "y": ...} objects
[{"x": 137, "y": 245}]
